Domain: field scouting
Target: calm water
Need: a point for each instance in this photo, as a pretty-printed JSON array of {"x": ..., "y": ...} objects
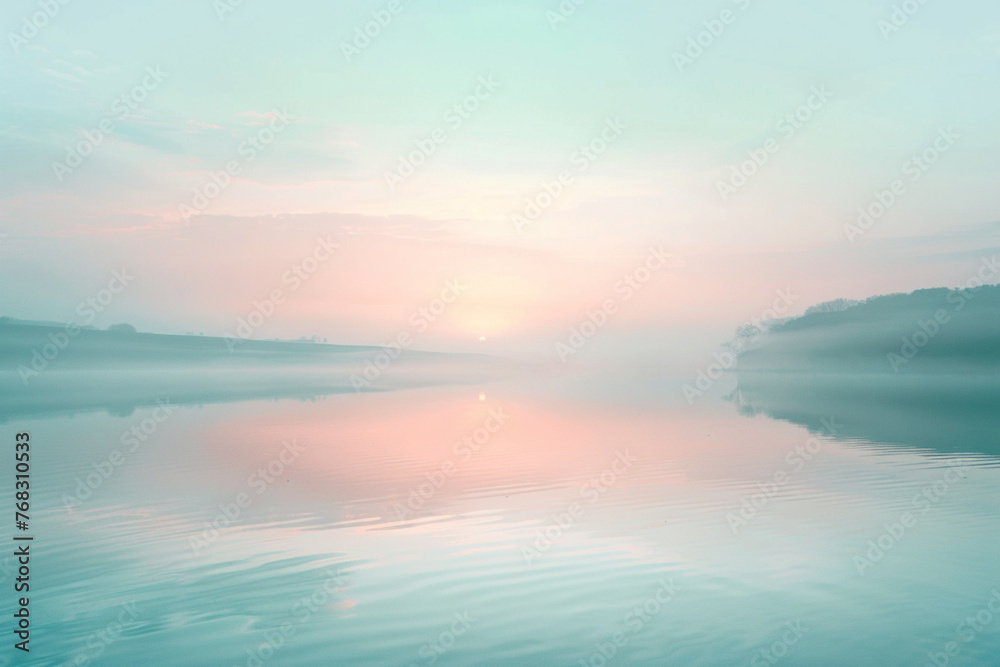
[{"x": 542, "y": 523}]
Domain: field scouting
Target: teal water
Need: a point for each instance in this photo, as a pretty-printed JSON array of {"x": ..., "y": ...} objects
[{"x": 335, "y": 558}]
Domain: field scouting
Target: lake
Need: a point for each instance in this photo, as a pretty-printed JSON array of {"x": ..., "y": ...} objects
[{"x": 537, "y": 520}]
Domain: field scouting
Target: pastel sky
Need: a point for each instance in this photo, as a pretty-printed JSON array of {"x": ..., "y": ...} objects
[{"x": 209, "y": 78}]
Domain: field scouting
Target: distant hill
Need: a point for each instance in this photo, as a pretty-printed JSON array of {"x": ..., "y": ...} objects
[
  {"x": 50, "y": 368},
  {"x": 121, "y": 347},
  {"x": 928, "y": 331},
  {"x": 919, "y": 369}
]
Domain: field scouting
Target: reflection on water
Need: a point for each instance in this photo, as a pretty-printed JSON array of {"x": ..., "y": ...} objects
[
  {"x": 513, "y": 525},
  {"x": 945, "y": 413}
]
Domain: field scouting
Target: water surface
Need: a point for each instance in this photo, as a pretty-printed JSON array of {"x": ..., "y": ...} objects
[{"x": 524, "y": 522}]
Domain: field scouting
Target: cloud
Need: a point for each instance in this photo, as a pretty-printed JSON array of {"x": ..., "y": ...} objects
[
  {"x": 203, "y": 125},
  {"x": 76, "y": 68},
  {"x": 61, "y": 75}
]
